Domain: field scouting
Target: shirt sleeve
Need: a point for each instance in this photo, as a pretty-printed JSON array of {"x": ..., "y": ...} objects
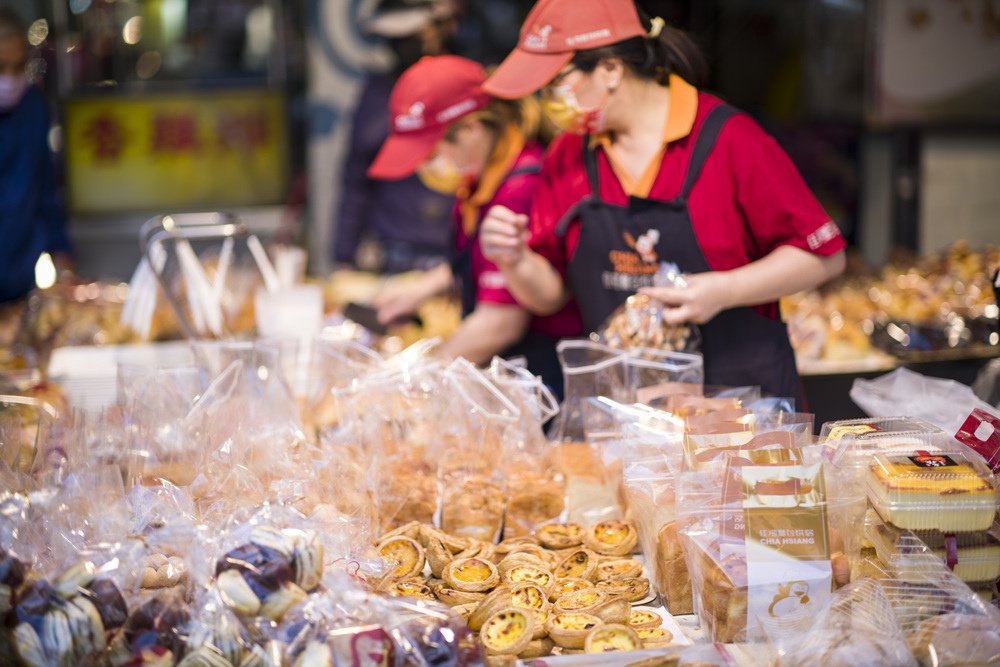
[
  {"x": 517, "y": 194},
  {"x": 561, "y": 171},
  {"x": 776, "y": 203}
]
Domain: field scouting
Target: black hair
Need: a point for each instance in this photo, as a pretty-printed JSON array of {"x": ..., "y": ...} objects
[{"x": 673, "y": 51}]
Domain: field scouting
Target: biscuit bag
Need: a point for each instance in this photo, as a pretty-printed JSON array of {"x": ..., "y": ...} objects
[
  {"x": 535, "y": 485},
  {"x": 395, "y": 417},
  {"x": 856, "y": 627},
  {"x": 25, "y": 424},
  {"x": 640, "y": 322},
  {"x": 72, "y": 612},
  {"x": 157, "y": 402},
  {"x": 475, "y": 428},
  {"x": 765, "y": 553}
]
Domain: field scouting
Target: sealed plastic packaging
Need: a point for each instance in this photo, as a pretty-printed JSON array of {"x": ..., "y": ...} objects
[
  {"x": 476, "y": 427},
  {"x": 536, "y": 488},
  {"x": 640, "y": 321},
  {"x": 973, "y": 557},
  {"x": 857, "y": 627},
  {"x": 919, "y": 490}
]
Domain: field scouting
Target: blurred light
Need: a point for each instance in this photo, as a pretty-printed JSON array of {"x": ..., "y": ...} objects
[
  {"x": 55, "y": 138},
  {"x": 79, "y": 6},
  {"x": 132, "y": 31},
  {"x": 148, "y": 65},
  {"x": 38, "y": 32},
  {"x": 45, "y": 271}
]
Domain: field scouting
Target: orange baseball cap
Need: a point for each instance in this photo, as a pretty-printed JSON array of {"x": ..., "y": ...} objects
[
  {"x": 552, "y": 34},
  {"x": 428, "y": 97}
]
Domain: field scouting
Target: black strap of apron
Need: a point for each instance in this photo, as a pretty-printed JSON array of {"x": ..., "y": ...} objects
[
  {"x": 704, "y": 144},
  {"x": 593, "y": 177}
]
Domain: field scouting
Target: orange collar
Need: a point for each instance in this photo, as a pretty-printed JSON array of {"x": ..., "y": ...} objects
[
  {"x": 505, "y": 153},
  {"x": 679, "y": 123}
]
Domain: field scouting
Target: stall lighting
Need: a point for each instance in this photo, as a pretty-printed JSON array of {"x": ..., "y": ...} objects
[
  {"x": 45, "y": 271},
  {"x": 38, "y": 32},
  {"x": 132, "y": 31}
]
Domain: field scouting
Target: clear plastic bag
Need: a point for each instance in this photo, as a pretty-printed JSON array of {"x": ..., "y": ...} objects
[
  {"x": 639, "y": 322},
  {"x": 536, "y": 488},
  {"x": 943, "y": 403},
  {"x": 856, "y": 628}
]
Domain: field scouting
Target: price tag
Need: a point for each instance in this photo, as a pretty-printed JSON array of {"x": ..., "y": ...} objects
[{"x": 981, "y": 432}]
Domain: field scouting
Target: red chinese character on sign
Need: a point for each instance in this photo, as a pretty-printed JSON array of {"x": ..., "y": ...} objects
[
  {"x": 175, "y": 133},
  {"x": 242, "y": 131},
  {"x": 107, "y": 138}
]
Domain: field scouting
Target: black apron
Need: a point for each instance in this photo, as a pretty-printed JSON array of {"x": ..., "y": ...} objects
[
  {"x": 741, "y": 347},
  {"x": 538, "y": 349}
]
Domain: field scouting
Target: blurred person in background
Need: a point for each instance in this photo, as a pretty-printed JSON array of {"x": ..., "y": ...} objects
[
  {"x": 410, "y": 221},
  {"x": 650, "y": 168},
  {"x": 32, "y": 220},
  {"x": 457, "y": 138}
]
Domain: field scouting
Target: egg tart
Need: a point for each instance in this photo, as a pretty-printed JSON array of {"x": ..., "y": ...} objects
[
  {"x": 559, "y": 535},
  {"x": 530, "y": 574},
  {"x": 564, "y": 586},
  {"x": 537, "y": 648},
  {"x": 507, "y": 632},
  {"x": 570, "y": 629},
  {"x": 404, "y": 555},
  {"x": 611, "y": 538},
  {"x": 580, "y": 564},
  {"x": 472, "y": 575},
  {"x": 613, "y": 637},
  {"x": 582, "y": 600},
  {"x": 410, "y": 530},
  {"x": 632, "y": 590},
  {"x": 410, "y": 588},
  {"x": 644, "y": 618},
  {"x": 453, "y": 598},
  {"x": 528, "y": 596},
  {"x": 619, "y": 568},
  {"x": 654, "y": 637},
  {"x": 437, "y": 554},
  {"x": 518, "y": 559}
]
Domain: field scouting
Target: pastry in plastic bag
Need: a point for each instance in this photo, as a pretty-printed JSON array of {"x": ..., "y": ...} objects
[
  {"x": 950, "y": 640},
  {"x": 639, "y": 322}
]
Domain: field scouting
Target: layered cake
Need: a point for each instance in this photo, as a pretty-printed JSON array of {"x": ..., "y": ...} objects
[{"x": 948, "y": 492}]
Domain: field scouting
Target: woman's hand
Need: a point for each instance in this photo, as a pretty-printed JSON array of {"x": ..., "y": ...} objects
[
  {"x": 503, "y": 236},
  {"x": 705, "y": 295},
  {"x": 400, "y": 299}
]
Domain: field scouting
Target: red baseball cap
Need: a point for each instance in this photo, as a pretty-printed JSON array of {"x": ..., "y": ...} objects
[
  {"x": 427, "y": 98},
  {"x": 552, "y": 34}
]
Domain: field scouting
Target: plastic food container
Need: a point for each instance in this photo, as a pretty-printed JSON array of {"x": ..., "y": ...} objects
[
  {"x": 973, "y": 557},
  {"x": 932, "y": 490}
]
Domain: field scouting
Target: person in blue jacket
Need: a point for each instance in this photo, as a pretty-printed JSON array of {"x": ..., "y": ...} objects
[
  {"x": 411, "y": 222},
  {"x": 32, "y": 220}
]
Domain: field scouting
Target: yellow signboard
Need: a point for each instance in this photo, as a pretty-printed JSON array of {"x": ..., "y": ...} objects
[{"x": 176, "y": 151}]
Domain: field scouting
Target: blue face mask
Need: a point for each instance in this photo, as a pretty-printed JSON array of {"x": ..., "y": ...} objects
[{"x": 12, "y": 89}]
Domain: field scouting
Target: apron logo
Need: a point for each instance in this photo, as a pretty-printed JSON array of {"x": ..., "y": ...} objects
[{"x": 636, "y": 267}]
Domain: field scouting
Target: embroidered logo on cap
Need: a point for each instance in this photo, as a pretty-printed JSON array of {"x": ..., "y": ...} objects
[
  {"x": 539, "y": 38},
  {"x": 583, "y": 38},
  {"x": 455, "y": 110},
  {"x": 413, "y": 119}
]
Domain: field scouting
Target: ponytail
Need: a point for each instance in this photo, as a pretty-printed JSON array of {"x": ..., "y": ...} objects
[{"x": 664, "y": 50}]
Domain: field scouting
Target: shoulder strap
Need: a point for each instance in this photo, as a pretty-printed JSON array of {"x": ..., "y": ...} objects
[
  {"x": 704, "y": 144},
  {"x": 525, "y": 170}
]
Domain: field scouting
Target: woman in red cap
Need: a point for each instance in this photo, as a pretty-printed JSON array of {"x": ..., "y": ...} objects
[
  {"x": 662, "y": 172},
  {"x": 458, "y": 139}
]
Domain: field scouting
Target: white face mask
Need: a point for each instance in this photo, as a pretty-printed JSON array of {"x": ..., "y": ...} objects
[{"x": 12, "y": 89}]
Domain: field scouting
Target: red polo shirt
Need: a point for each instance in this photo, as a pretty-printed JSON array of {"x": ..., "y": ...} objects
[
  {"x": 748, "y": 200},
  {"x": 498, "y": 188}
]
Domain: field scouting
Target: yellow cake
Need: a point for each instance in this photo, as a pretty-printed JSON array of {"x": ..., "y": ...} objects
[{"x": 939, "y": 491}]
